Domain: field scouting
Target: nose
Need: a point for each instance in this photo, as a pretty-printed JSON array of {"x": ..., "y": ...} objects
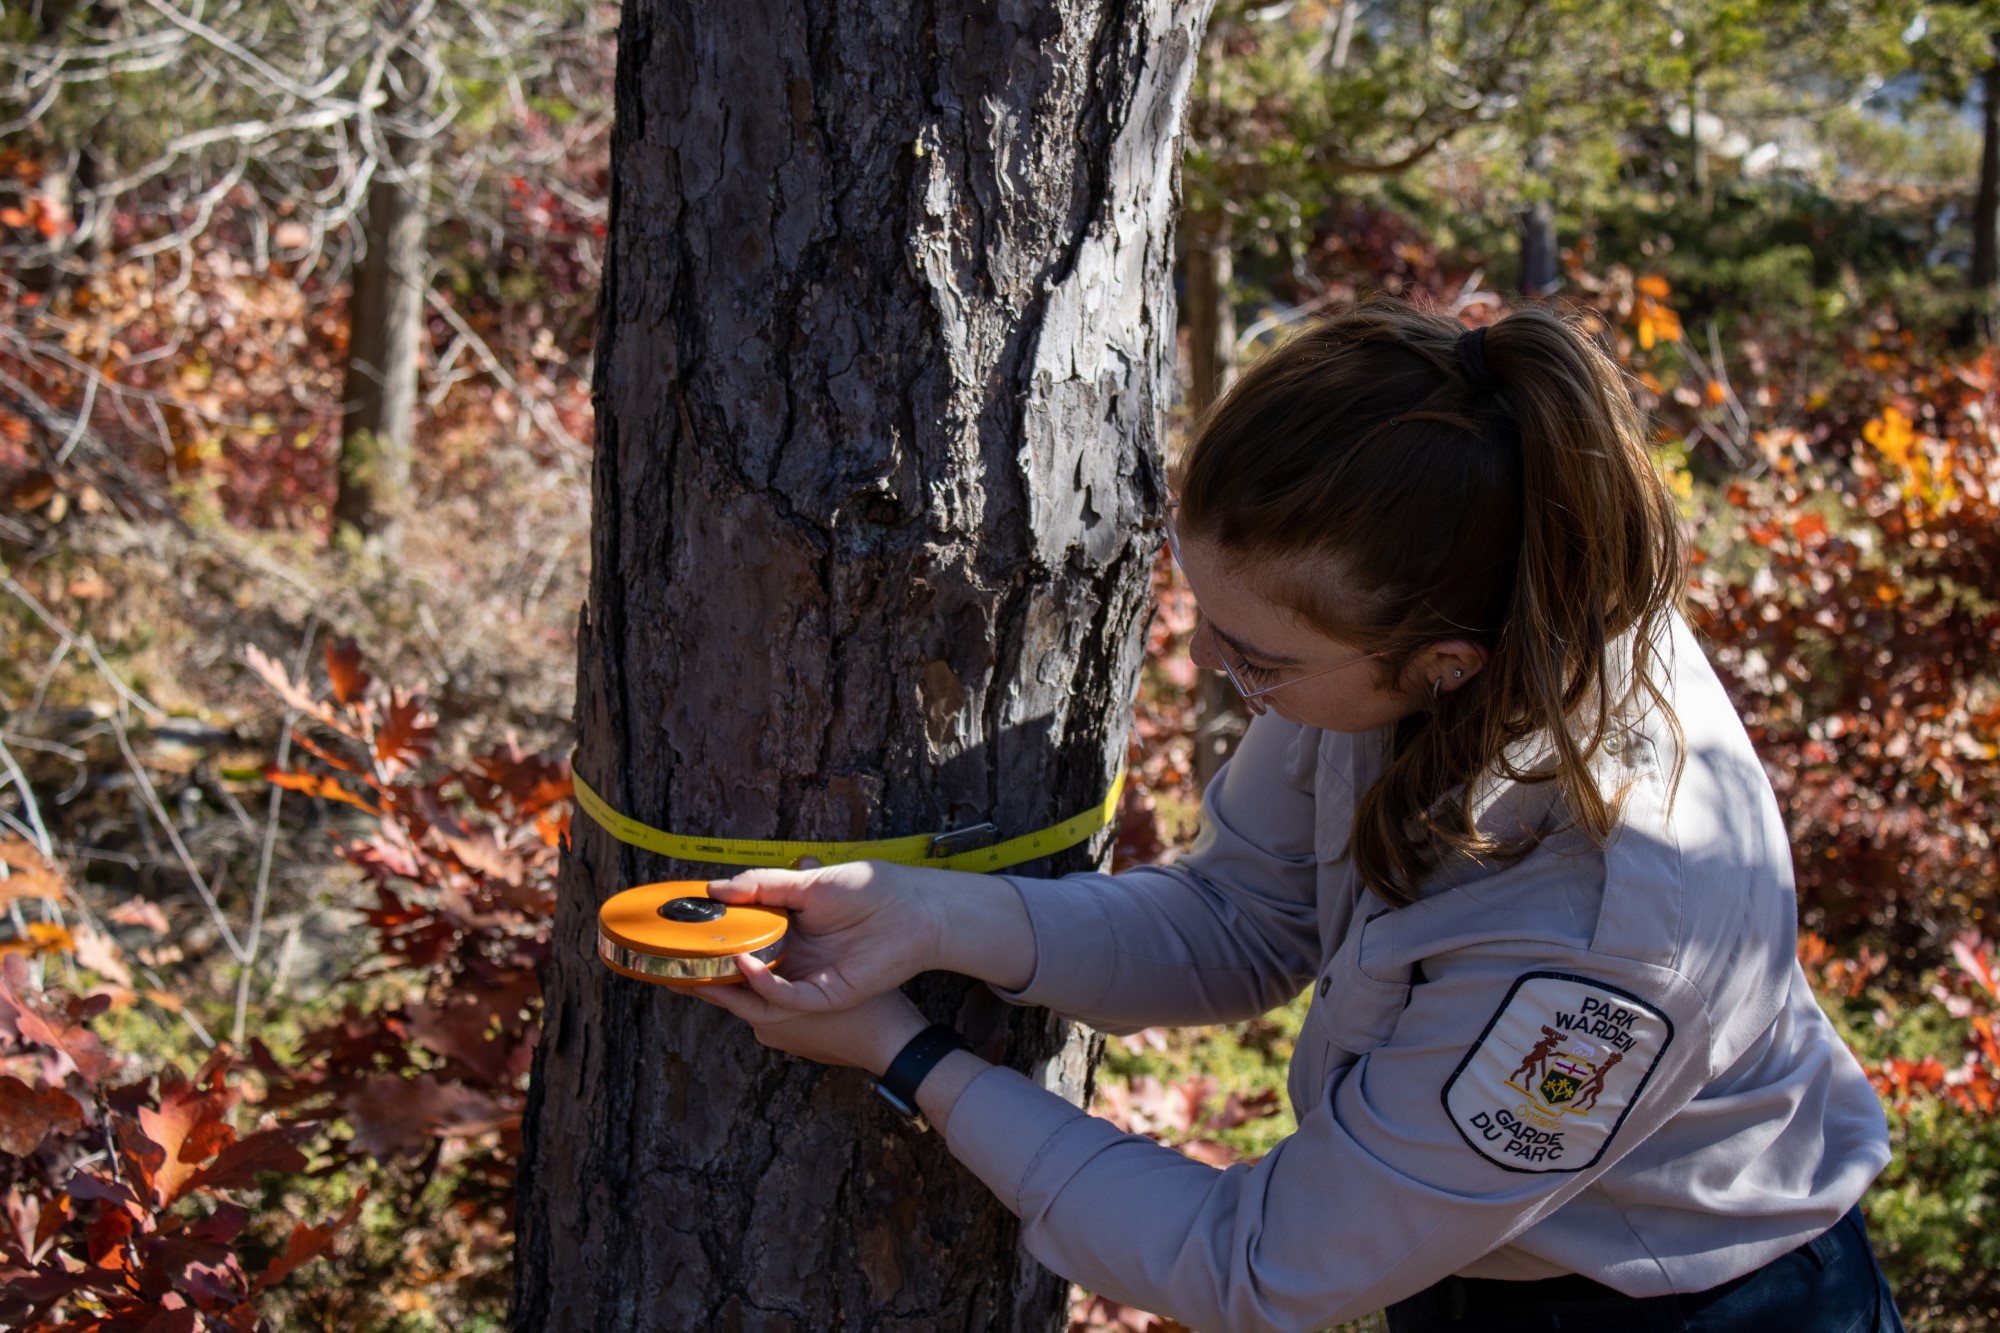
[{"x": 1201, "y": 647}]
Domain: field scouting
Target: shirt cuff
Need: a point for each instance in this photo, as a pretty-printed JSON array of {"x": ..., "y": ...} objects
[
  {"x": 1073, "y": 944},
  {"x": 1006, "y": 1128}
]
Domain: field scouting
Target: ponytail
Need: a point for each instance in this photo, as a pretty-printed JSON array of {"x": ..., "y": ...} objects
[{"x": 1399, "y": 482}]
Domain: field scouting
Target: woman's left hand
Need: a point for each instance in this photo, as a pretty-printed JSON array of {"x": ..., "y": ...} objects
[{"x": 867, "y": 1036}]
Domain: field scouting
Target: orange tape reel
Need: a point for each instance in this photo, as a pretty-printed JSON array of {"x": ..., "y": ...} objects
[{"x": 674, "y": 934}]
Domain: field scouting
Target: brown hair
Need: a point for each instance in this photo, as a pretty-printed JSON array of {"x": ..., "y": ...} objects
[{"x": 1397, "y": 489}]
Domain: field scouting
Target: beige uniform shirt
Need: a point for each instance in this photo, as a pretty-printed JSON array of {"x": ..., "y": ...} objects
[{"x": 1595, "y": 1061}]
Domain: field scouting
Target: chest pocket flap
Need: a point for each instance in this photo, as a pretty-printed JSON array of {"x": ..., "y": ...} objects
[{"x": 1353, "y": 1009}]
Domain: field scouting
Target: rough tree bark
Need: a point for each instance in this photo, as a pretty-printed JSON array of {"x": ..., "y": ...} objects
[
  {"x": 386, "y": 328},
  {"x": 884, "y": 350}
]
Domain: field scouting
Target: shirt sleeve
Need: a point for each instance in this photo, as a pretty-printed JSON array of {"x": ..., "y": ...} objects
[
  {"x": 1227, "y": 932},
  {"x": 1419, "y": 1157}
]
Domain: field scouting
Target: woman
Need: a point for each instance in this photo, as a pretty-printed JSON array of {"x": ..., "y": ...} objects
[{"x": 1561, "y": 1068}]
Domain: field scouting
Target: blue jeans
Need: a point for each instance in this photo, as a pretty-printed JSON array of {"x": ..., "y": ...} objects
[{"x": 1831, "y": 1284}]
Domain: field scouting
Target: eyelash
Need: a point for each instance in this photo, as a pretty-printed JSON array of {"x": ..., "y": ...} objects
[{"x": 1256, "y": 675}]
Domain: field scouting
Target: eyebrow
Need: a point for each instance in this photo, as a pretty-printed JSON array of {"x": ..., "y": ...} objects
[{"x": 1275, "y": 659}]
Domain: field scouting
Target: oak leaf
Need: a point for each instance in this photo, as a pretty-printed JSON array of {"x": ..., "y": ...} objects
[
  {"x": 343, "y": 671},
  {"x": 27, "y": 875},
  {"x": 240, "y": 1163},
  {"x": 407, "y": 733},
  {"x": 29, "y": 1115},
  {"x": 392, "y": 1114},
  {"x": 307, "y": 1243},
  {"x": 187, "y": 1128},
  {"x": 283, "y": 686}
]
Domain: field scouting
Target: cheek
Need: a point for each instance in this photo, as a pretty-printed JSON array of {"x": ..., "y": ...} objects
[{"x": 1352, "y": 710}]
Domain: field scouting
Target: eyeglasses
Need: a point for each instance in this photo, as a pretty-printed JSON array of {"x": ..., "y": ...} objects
[{"x": 1252, "y": 682}]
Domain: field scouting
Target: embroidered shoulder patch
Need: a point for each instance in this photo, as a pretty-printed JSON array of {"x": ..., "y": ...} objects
[{"x": 1551, "y": 1078}]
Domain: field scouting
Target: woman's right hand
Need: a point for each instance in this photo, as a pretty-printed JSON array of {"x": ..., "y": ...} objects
[{"x": 863, "y": 928}]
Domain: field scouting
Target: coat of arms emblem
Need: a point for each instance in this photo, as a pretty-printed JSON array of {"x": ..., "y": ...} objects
[{"x": 1563, "y": 1073}]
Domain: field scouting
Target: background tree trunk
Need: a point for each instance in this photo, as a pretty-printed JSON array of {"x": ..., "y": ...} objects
[
  {"x": 1209, "y": 269},
  {"x": 884, "y": 350},
  {"x": 1540, "y": 271},
  {"x": 386, "y": 330},
  {"x": 1985, "y": 294}
]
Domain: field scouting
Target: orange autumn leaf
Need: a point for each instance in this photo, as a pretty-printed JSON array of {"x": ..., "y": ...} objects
[
  {"x": 42, "y": 937},
  {"x": 1655, "y": 286},
  {"x": 168, "y": 1146},
  {"x": 27, "y": 875},
  {"x": 313, "y": 784},
  {"x": 1893, "y": 435}
]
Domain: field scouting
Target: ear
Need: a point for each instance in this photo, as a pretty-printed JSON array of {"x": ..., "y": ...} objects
[{"x": 1450, "y": 665}]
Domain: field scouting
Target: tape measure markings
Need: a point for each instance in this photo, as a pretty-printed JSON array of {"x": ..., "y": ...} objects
[{"x": 910, "y": 849}]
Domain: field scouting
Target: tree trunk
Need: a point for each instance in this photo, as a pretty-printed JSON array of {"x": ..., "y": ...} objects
[
  {"x": 385, "y": 342},
  {"x": 1540, "y": 271},
  {"x": 72, "y": 180},
  {"x": 884, "y": 351},
  {"x": 1220, "y": 717},
  {"x": 1985, "y": 295}
]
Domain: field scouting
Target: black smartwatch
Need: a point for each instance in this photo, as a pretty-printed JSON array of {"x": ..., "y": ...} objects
[{"x": 899, "y": 1082}]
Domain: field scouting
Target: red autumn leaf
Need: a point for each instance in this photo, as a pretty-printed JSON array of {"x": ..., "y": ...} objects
[
  {"x": 223, "y": 1225},
  {"x": 407, "y": 733},
  {"x": 307, "y": 1243},
  {"x": 87, "y": 1187},
  {"x": 393, "y": 1114},
  {"x": 344, "y": 673},
  {"x": 29, "y": 1115},
  {"x": 240, "y": 1163},
  {"x": 532, "y": 782},
  {"x": 461, "y": 1029},
  {"x": 71, "y": 1046}
]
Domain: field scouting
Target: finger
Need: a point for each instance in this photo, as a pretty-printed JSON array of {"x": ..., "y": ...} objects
[
  {"x": 772, "y": 888},
  {"x": 782, "y": 992},
  {"x": 753, "y": 1009},
  {"x": 806, "y": 863}
]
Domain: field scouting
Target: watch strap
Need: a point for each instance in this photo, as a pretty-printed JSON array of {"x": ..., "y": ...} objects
[{"x": 920, "y": 1055}]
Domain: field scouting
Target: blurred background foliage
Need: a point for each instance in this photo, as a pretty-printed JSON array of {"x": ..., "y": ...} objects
[{"x": 278, "y": 800}]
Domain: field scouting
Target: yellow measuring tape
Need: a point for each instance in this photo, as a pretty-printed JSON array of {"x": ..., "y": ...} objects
[{"x": 937, "y": 850}]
